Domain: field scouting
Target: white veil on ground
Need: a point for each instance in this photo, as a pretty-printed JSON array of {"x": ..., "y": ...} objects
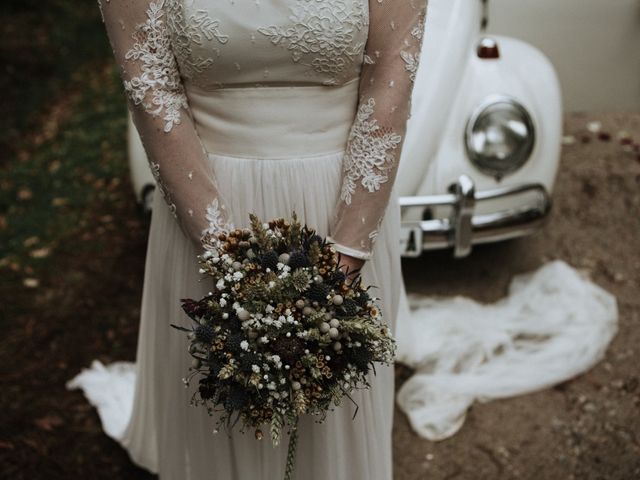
[{"x": 553, "y": 325}]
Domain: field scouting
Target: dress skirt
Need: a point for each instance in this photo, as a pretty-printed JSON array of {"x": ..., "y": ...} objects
[{"x": 171, "y": 437}]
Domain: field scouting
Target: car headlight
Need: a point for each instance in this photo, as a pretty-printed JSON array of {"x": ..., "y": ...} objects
[{"x": 500, "y": 136}]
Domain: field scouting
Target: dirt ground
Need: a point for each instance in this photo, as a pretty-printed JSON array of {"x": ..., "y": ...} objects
[
  {"x": 87, "y": 306},
  {"x": 586, "y": 428}
]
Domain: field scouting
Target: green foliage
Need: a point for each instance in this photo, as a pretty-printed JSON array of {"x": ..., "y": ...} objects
[
  {"x": 45, "y": 45},
  {"x": 44, "y": 195},
  {"x": 63, "y": 127}
]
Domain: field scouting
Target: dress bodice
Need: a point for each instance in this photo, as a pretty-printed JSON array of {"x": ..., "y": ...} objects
[
  {"x": 231, "y": 54},
  {"x": 234, "y": 43}
]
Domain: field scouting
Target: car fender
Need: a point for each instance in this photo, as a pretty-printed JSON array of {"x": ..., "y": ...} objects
[
  {"x": 451, "y": 31},
  {"x": 523, "y": 73}
]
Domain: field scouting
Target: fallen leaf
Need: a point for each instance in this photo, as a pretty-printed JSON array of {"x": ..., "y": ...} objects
[
  {"x": 25, "y": 194},
  {"x": 37, "y": 446},
  {"x": 28, "y": 328},
  {"x": 604, "y": 137},
  {"x": 31, "y": 282},
  {"x": 623, "y": 135},
  {"x": 59, "y": 202},
  {"x": 38, "y": 139},
  {"x": 48, "y": 422},
  {"x": 41, "y": 253},
  {"x": 30, "y": 242},
  {"x": 55, "y": 166},
  {"x": 594, "y": 127}
]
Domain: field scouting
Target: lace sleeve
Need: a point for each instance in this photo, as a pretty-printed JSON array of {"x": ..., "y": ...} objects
[
  {"x": 376, "y": 137},
  {"x": 141, "y": 40}
]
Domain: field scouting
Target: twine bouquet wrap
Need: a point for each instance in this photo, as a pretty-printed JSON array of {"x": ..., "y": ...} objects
[{"x": 284, "y": 332}]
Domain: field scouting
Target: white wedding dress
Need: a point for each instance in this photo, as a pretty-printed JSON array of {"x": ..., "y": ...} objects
[
  {"x": 263, "y": 106},
  {"x": 270, "y": 106}
]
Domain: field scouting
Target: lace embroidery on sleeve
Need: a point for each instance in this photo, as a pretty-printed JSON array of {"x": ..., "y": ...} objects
[
  {"x": 101, "y": 9},
  {"x": 140, "y": 33},
  {"x": 159, "y": 70},
  {"x": 160, "y": 185},
  {"x": 217, "y": 221},
  {"x": 370, "y": 153},
  {"x": 411, "y": 64},
  {"x": 412, "y": 59}
]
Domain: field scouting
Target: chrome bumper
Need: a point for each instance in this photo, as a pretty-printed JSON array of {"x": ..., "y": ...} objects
[{"x": 463, "y": 229}]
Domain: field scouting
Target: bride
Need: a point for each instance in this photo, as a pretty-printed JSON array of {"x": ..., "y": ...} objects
[{"x": 264, "y": 106}]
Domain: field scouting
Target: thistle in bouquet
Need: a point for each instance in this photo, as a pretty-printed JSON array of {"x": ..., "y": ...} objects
[{"x": 284, "y": 332}]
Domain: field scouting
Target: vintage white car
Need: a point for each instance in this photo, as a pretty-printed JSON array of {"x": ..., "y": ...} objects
[{"x": 483, "y": 141}]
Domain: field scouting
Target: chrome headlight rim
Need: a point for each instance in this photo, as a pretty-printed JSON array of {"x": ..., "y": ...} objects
[{"x": 481, "y": 162}]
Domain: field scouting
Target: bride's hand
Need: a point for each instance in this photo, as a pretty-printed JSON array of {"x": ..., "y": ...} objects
[{"x": 351, "y": 264}]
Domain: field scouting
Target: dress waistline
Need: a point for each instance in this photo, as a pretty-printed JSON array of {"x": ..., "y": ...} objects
[{"x": 275, "y": 122}]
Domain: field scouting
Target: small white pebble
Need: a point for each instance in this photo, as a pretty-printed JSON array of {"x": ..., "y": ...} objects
[{"x": 594, "y": 127}]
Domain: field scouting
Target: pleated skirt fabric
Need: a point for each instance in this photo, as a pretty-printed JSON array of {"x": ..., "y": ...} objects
[{"x": 169, "y": 436}]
